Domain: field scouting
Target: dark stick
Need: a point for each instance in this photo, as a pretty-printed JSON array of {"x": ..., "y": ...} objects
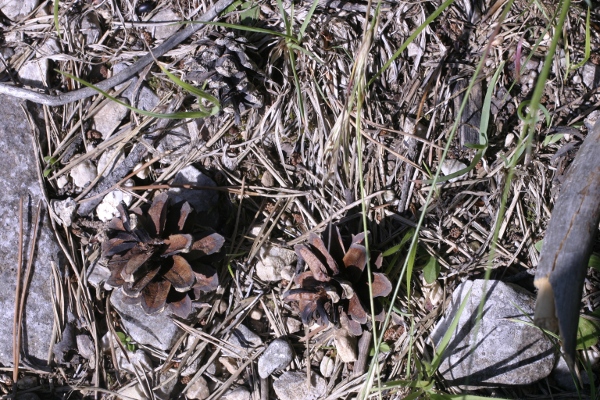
[
  {"x": 568, "y": 245},
  {"x": 70, "y": 97}
]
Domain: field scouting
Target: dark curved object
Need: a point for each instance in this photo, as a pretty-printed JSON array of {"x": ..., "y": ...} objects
[{"x": 568, "y": 245}]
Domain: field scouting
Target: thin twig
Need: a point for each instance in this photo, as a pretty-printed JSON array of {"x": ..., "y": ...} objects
[{"x": 70, "y": 97}]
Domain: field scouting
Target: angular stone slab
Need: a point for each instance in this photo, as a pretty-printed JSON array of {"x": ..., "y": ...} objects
[
  {"x": 155, "y": 330},
  {"x": 503, "y": 352},
  {"x": 18, "y": 177}
]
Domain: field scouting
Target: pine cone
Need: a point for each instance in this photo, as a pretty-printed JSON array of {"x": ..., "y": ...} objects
[
  {"x": 224, "y": 64},
  {"x": 154, "y": 260},
  {"x": 335, "y": 289}
]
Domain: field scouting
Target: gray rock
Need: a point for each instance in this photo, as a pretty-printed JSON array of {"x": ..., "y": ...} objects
[
  {"x": 199, "y": 389},
  {"x": 591, "y": 75},
  {"x": 98, "y": 273},
  {"x": 504, "y": 352},
  {"x": 166, "y": 31},
  {"x": 64, "y": 210},
  {"x": 273, "y": 259},
  {"x": 276, "y": 357},
  {"x": 135, "y": 361},
  {"x": 201, "y": 200},
  {"x": 167, "y": 383},
  {"x": 452, "y": 166},
  {"x": 16, "y": 10},
  {"x": 154, "y": 330},
  {"x": 109, "y": 117},
  {"x": 85, "y": 346},
  {"x": 18, "y": 177},
  {"x": 242, "y": 338},
  {"x": 90, "y": 28},
  {"x": 34, "y": 73},
  {"x": 240, "y": 393},
  {"x": 292, "y": 385},
  {"x": 175, "y": 144}
]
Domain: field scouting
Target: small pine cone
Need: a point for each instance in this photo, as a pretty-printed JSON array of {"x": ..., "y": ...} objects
[
  {"x": 335, "y": 288},
  {"x": 155, "y": 256},
  {"x": 225, "y": 65}
]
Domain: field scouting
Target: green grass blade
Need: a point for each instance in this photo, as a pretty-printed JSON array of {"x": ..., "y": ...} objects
[
  {"x": 56, "y": 22},
  {"x": 588, "y": 44},
  {"x": 195, "y": 91},
  {"x": 252, "y": 29},
  {"x": 178, "y": 115},
  {"x": 309, "y": 16},
  {"x": 412, "y": 37}
]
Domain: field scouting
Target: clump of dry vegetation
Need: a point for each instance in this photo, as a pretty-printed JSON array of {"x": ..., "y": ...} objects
[{"x": 333, "y": 113}]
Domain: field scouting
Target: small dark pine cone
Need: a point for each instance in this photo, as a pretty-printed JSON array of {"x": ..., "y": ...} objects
[
  {"x": 335, "y": 289},
  {"x": 224, "y": 63},
  {"x": 155, "y": 256}
]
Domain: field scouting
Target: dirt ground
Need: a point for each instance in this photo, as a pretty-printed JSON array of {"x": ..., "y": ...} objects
[{"x": 332, "y": 113}]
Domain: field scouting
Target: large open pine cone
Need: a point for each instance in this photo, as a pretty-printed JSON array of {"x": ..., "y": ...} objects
[
  {"x": 155, "y": 256},
  {"x": 335, "y": 288},
  {"x": 224, "y": 63}
]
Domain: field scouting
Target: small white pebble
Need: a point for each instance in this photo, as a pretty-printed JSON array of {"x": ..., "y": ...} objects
[
  {"x": 509, "y": 139},
  {"x": 256, "y": 314},
  {"x": 143, "y": 174}
]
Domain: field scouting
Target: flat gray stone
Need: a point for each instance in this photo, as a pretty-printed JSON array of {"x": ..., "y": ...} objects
[
  {"x": 503, "y": 352},
  {"x": 242, "y": 338},
  {"x": 166, "y": 31},
  {"x": 240, "y": 393},
  {"x": 16, "y": 10},
  {"x": 276, "y": 357},
  {"x": 154, "y": 330},
  {"x": 292, "y": 385},
  {"x": 18, "y": 177},
  {"x": 201, "y": 199}
]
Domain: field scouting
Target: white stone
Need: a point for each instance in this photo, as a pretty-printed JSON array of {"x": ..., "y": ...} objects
[
  {"x": 345, "y": 346},
  {"x": 166, "y": 31},
  {"x": 137, "y": 359},
  {"x": 198, "y": 390},
  {"x": 64, "y": 210},
  {"x": 452, "y": 166},
  {"x": 83, "y": 173},
  {"x": 510, "y": 138},
  {"x": 34, "y": 73},
  {"x": 326, "y": 366},
  {"x": 276, "y": 357},
  {"x": 133, "y": 392},
  {"x": 16, "y": 10},
  {"x": 107, "y": 209},
  {"x": 108, "y": 118},
  {"x": 62, "y": 181},
  {"x": 143, "y": 173},
  {"x": 240, "y": 393},
  {"x": 288, "y": 272},
  {"x": 109, "y": 160},
  {"x": 273, "y": 260},
  {"x": 293, "y": 325},
  {"x": 292, "y": 385}
]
